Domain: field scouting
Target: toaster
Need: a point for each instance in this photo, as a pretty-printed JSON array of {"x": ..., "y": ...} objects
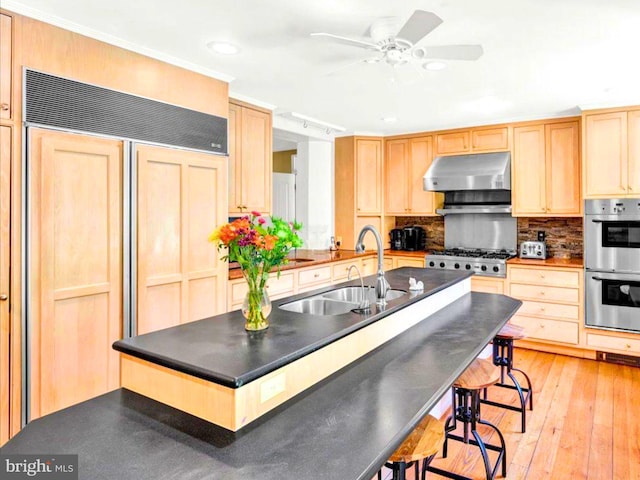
[{"x": 533, "y": 250}]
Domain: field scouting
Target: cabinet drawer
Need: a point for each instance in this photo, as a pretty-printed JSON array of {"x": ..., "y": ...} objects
[
  {"x": 487, "y": 285},
  {"x": 276, "y": 287},
  {"x": 548, "y": 330},
  {"x": 545, "y": 277},
  {"x": 606, "y": 342},
  {"x": 388, "y": 263},
  {"x": 314, "y": 275},
  {"x": 555, "y": 310},
  {"x": 408, "y": 262},
  {"x": 551, "y": 294},
  {"x": 340, "y": 271},
  {"x": 370, "y": 266}
]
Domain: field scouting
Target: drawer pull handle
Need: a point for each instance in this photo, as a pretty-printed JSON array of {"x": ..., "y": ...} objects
[
  {"x": 541, "y": 325},
  {"x": 541, "y": 276},
  {"x": 316, "y": 275},
  {"x": 627, "y": 345},
  {"x": 542, "y": 294}
]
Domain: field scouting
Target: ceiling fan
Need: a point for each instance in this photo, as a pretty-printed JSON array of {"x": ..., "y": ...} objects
[{"x": 400, "y": 48}]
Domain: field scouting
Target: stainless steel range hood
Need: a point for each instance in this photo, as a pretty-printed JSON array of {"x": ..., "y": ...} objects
[{"x": 482, "y": 171}]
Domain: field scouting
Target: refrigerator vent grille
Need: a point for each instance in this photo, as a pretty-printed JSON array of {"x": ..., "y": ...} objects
[
  {"x": 67, "y": 104},
  {"x": 618, "y": 358}
]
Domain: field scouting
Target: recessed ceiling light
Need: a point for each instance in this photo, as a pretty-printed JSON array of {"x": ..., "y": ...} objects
[
  {"x": 224, "y": 48},
  {"x": 434, "y": 66},
  {"x": 390, "y": 119}
]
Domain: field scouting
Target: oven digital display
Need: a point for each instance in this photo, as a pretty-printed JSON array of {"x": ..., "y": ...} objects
[
  {"x": 621, "y": 293},
  {"x": 621, "y": 234}
]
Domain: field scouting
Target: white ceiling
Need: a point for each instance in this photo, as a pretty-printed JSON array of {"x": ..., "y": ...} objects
[{"x": 541, "y": 58}]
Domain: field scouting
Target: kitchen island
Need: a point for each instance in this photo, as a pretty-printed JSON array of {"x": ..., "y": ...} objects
[{"x": 343, "y": 427}]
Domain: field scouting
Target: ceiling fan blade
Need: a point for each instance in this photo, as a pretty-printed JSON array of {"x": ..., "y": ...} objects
[
  {"x": 348, "y": 41},
  {"x": 454, "y": 52},
  {"x": 419, "y": 25}
]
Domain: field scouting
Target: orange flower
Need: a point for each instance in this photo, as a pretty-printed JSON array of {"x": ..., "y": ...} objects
[{"x": 270, "y": 242}]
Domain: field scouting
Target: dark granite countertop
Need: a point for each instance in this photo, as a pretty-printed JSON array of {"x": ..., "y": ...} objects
[
  {"x": 218, "y": 349},
  {"x": 343, "y": 428}
]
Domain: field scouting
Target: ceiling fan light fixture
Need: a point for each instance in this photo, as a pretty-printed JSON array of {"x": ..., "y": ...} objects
[
  {"x": 434, "y": 66},
  {"x": 223, "y": 48}
]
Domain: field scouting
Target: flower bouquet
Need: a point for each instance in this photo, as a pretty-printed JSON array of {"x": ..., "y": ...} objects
[{"x": 258, "y": 246}]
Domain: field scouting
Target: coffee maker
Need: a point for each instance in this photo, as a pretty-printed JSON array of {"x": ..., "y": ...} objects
[
  {"x": 414, "y": 238},
  {"x": 397, "y": 239}
]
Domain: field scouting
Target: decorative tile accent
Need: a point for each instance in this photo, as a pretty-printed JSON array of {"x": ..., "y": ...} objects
[{"x": 564, "y": 235}]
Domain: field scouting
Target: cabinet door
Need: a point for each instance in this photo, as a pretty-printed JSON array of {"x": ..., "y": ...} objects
[
  {"x": 528, "y": 170},
  {"x": 605, "y": 155},
  {"x": 369, "y": 176},
  {"x": 235, "y": 157},
  {"x": 75, "y": 268},
  {"x": 5, "y": 66},
  {"x": 180, "y": 201},
  {"x": 563, "y": 169},
  {"x": 490, "y": 139},
  {"x": 256, "y": 161},
  {"x": 5, "y": 175},
  {"x": 396, "y": 181},
  {"x": 634, "y": 153},
  {"x": 420, "y": 158},
  {"x": 455, "y": 142},
  {"x": 487, "y": 285}
]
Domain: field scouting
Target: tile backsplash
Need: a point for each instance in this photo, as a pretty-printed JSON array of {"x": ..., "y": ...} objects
[{"x": 564, "y": 235}]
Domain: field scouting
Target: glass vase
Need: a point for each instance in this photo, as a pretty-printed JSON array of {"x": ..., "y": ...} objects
[{"x": 256, "y": 308}]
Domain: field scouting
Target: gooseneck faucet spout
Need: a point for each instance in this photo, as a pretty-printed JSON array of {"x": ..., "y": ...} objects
[{"x": 382, "y": 286}]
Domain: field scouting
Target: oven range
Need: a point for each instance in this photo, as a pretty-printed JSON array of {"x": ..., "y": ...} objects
[{"x": 488, "y": 263}]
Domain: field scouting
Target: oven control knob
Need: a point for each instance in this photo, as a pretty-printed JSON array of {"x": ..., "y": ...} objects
[
  {"x": 496, "y": 269},
  {"x": 467, "y": 266},
  {"x": 432, "y": 264},
  {"x": 484, "y": 268},
  {"x": 441, "y": 264},
  {"x": 457, "y": 265}
]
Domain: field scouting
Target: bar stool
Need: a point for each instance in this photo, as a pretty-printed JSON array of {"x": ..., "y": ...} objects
[
  {"x": 422, "y": 444},
  {"x": 503, "y": 358},
  {"x": 466, "y": 409}
]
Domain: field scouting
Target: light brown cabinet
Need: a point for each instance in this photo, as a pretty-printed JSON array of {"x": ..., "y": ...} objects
[
  {"x": 6, "y": 56},
  {"x": 180, "y": 275},
  {"x": 612, "y": 154},
  {"x": 487, "y": 285},
  {"x": 359, "y": 190},
  {"x": 250, "y": 159},
  {"x": 552, "y": 303},
  {"x": 5, "y": 176},
  {"x": 546, "y": 170},
  {"x": 471, "y": 141},
  {"x": 406, "y": 162}
]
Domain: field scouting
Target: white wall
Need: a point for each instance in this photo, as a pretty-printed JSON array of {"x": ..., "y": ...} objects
[{"x": 314, "y": 192}]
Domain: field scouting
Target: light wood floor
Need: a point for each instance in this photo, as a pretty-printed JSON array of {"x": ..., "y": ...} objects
[{"x": 585, "y": 423}]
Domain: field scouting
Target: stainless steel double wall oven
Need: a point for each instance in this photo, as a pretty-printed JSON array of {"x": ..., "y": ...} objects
[{"x": 612, "y": 264}]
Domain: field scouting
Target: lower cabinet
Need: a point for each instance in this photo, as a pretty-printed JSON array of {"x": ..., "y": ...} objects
[
  {"x": 552, "y": 303},
  {"x": 401, "y": 261},
  {"x": 487, "y": 285}
]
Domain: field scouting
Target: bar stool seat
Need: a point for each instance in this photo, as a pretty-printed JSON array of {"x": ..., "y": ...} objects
[
  {"x": 466, "y": 409},
  {"x": 422, "y": 444},
  {"x": 503, "y": 358}
]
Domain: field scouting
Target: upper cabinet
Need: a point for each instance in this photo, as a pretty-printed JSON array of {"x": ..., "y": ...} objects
[
  {"x": 612, "y": 154},
  {"x": 5, "y": 65},
  {"x": 369, "y": 176},
  {"x": 406, "y": 161},
  {"x": 250, "y": 159},
  {"x": 546, "y": 169},
  {"x": 476, "y": 140}
]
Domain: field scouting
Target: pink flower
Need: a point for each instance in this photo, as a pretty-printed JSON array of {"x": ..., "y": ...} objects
[
  {"x": 261, "y": 221},
  {"x": 256, "y": 214}
]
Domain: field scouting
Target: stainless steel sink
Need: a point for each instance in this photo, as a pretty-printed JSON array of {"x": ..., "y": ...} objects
[
  {"x": 317, "y": 305},
  {"x": 338, "y": 301},
  {"x": 354, "y": 294}
]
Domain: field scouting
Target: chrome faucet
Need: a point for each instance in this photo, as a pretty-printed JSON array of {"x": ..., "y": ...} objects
[
  {"x": 364, "y": 301},
  {"x": 382, "y": 286}
]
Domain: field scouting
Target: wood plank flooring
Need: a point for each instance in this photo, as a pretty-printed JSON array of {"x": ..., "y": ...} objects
[{"x": 585, "y": 424}]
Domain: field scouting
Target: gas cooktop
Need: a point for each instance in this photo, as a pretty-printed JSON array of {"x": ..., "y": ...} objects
[{"x": 490, "y": 263}]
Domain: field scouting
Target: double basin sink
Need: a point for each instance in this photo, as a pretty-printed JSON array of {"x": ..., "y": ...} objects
[{"x": 338, "y": 301}]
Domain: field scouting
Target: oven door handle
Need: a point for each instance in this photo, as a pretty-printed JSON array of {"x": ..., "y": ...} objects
[
  {"x": 595, "y": 220},
  {"x": 597, "y": 278}
]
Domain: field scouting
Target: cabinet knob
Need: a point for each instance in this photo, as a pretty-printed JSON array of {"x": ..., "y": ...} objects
[
  {"x": 628, "y": 345},
  {"x": 630, "y": 189},
  {"x": 541, "y": 325},
  {"x": 542, "y": 294},
  {"x": 4, "y": 297},
  {"x": 316, "y": 275},
  {"x": 5, "y": 106}
]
